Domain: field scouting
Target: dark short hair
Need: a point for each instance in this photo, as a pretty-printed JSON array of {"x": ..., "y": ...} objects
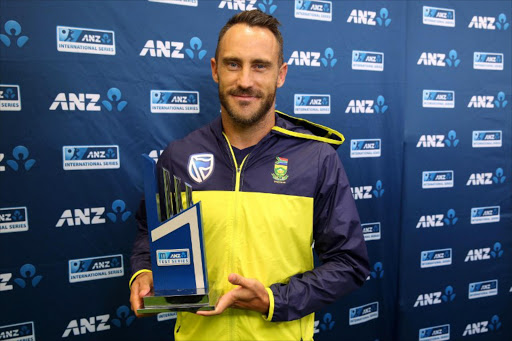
[{"x": 254, "y": 18}]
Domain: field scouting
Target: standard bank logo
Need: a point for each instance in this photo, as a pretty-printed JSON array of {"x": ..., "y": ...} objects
[
  {"x": 358, "y": 16},
  {"x": 435, "y": 297},
  {"x": 21, "y": 160},
  {"x": 10, "y": 98},
  {"x": 89, "y": 269},
  {"x": 164, "y": 48},
  {"x": 178, "y": 2},
  {"x": 312, "y": 104},
  {"x": 487, "y": 138},
  {"x": 200, "y": 166},
  {"x": 13, "y": 30},
  {"x": 483, "y": 215},
  {"x": 476, "y": 179},
  {"x": 363, "y": 313},
  {"x": 174, "y": 102},
  {"x": 18, "y": 332},
  {"x": 313, "y": 10},
  {"x": 483, "y": 289},
  {"x": 90, "y": 157},
  {"x": 94, "y": 215},
  {"x": 489, "y": 23},
  {"x": 483, "y": 326},
  {"x": 13, "y": 219},
  {"x": 488, "y": 102},
  {"x": 371, "y": 231},
  {"x": 439, "y": 59},
  {"x": 85, "y": 40},
  {"x": 367, "y": 106},
  {"x": 488, "y": 61},
  {"x": 367, "y": 192},
  {"x": 173, "y": 257},
  {"x": 365, "y": 148},
  {"x": 484, "y": 253},
  {"x": 437, "y": 179},
  {"x": 438, "y": 99},
  {"x": 367, "y": 60},
  {"x": 438, "y": 220},
  {"x": 308, "y": 58},
  {"x": 438, "y": 16},
  {"x": 437, "y": 333},
  {"x": 89, "y": 102},
  {"x": 438, "y": 141},
  {"x": 434, "y": 258}
]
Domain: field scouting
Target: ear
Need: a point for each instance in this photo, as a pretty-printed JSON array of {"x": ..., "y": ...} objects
[
  {"x": 213, "y": 64},
  {"x": 283, "y": 70}
]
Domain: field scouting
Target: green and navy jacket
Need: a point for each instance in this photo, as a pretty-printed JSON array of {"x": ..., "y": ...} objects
[{"x": 262, "y": 219}]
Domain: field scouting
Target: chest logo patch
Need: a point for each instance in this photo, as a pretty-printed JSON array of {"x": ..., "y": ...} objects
[
  {"x": 200, "y": 166},
  {"x": 280, "y": 170}
]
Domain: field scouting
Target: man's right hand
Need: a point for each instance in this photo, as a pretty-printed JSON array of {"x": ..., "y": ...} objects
[{"x": 141, "y": 286}]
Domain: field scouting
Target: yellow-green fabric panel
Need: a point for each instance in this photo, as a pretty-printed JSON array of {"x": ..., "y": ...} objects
[{"x": 257, "y": 235}]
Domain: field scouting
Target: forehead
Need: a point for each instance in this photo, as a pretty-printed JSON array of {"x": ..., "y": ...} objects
[{"x": 249, "y": 42}]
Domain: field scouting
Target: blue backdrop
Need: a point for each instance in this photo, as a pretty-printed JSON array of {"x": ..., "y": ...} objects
[{"x": 420, "y": 89}]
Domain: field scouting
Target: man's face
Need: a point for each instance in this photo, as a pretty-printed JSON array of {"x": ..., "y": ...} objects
[{"x": 248, "y": 73}]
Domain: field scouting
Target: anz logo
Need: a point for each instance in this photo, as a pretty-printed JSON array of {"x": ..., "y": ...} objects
[
  {"x": 476, "y": 179},
  {"x": 482, "y": 326},
  {"x": 94, "y": 215},
  {"x": 367, "y": 192},
  {"x": 489, "y": 23},
  {"x": 435, "y": 297},
  {"x": 438, "y": 220},
  {"x": 305, "y": 58},
  {"x": 167, "y": 49},
  {"x": 238, "y": 5},
  {"x": 315, "y": 59}
]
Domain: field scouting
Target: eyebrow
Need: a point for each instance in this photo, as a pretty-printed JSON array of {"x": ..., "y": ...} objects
[{"x": 253, "y": 61}]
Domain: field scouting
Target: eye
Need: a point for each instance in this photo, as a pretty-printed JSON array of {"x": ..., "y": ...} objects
[{"x": 260, "y": 66}]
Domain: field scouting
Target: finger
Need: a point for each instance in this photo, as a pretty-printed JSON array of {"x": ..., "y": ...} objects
[
  {"x": 237, "y": 279},
  {"x": 224, "y": 302}
]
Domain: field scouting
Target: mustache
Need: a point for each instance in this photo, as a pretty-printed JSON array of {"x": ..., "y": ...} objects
[{"x": 246, "y": 92}]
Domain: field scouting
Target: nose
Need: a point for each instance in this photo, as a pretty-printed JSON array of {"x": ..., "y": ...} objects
[{"x": 245, "y": 78}]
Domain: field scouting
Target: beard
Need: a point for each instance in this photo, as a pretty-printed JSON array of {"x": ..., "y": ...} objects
[{"x": 254, "y": 117}]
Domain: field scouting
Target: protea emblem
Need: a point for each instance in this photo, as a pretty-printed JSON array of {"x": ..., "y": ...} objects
[{"x": 280, "y": 170}]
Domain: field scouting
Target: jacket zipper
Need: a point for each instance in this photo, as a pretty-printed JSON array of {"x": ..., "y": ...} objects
[{"x": 232, "y": 234}]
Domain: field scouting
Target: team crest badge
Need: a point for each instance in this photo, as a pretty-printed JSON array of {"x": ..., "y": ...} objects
[
  {"x": 200, "y": 166},
  {"x": 280, "y": 170}
]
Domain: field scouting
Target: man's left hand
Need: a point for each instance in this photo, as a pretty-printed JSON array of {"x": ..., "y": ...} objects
[{"x": 251, "y": 295}]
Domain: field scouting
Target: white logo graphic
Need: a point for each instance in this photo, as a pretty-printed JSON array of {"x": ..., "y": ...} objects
[{"x": 200, "y": 166}]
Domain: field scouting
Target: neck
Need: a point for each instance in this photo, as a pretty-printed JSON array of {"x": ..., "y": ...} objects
[{"x": 242, "y": 137}]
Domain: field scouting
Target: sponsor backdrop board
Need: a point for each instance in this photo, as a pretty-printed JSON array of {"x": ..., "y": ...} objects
[{"x": 421, "y": 90}]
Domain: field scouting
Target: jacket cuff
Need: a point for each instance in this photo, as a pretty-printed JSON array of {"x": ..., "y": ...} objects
[
  {"x": 270, "y": 306},
  {"x": 135, "y": 275}
]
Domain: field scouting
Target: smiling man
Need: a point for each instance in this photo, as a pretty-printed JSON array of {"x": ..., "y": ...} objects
[{"x": 274, "y": 188}]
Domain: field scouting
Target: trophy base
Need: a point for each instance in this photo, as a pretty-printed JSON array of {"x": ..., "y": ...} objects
[{"x": 162, "y": 304}]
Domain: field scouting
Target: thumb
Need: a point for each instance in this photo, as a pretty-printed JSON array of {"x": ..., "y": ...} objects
[
  {"x": 236, "y": 279},
  {"x": 144, "y": 291}
]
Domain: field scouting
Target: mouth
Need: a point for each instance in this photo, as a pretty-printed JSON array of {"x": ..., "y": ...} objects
[{"x": 245, "y": 96}]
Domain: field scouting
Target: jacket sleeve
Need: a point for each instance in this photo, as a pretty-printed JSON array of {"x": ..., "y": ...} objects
[{"x": 338, "y": 241}]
